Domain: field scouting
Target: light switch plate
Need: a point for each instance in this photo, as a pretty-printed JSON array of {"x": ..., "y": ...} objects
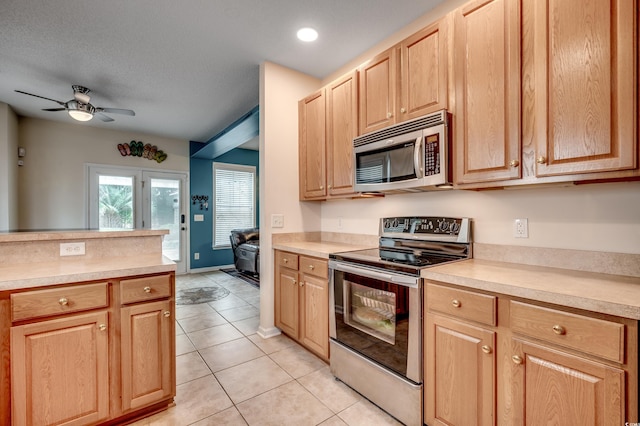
[
  {"x": 277, "y": 221},
  {"x": 198, "y": 218}
]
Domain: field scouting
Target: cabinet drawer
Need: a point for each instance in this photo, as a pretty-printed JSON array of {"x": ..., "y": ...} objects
[
  {"x": 288, "y": 260},
  {"x": 56, "y": 301},
  {"x": 462, "y": 304},
  {"x": 143, "y": 289},
  {"x": 590, "y": 335},
  {"x": 316, "y": 267}
]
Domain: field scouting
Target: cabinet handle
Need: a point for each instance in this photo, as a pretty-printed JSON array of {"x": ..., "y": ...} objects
[
  {"x": 166, "y": 314},
  {"x": 541, "y": 160},
  {"x": 516, "y": 359},
  {"x": 514, "y": 163},
  {"x": 486, "y": 349},
  {"x": 147, "y": 289},
  {"x": 402, "y": 110},
  {"x": 559, "y": 330},
  {"x": 63, "y": 301},
  {"x": 102, "y": 327},
  {"x": 456, "y": 303}
]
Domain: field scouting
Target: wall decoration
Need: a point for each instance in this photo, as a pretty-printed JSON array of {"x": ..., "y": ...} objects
[
  {"x": 202, "y": 199},
  {"x": 137, "y": 149}
]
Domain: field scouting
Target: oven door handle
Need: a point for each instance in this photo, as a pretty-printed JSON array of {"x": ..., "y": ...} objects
[{"x": 399, "y": 279}]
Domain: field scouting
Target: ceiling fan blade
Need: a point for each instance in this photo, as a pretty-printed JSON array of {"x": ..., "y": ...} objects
[
  {"x": 41, "y": 97},
  {"x": 54, "y": 109},
  {"x": 116, "y": 111},
  {"x": 103, "y": 117}
]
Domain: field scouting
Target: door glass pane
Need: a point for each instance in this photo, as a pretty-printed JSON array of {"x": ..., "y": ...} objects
[
  {"x": 115, "y": 202},
  {"x": 165, "y": 214}
]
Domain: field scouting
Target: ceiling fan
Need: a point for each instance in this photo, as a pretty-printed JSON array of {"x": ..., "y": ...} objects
[{"x": 79, "y": 107}]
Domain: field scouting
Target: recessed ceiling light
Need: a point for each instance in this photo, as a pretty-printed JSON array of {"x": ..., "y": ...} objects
[{"x": 307, "y": 34}]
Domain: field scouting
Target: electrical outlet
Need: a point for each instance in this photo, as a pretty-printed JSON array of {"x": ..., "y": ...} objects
[
  {"x": 277, "y": 221},
  {"x": 339, "y": 222},
  {"x": 72, "y": 249},
  {"x": 521, "y": 228},
  {"x": 196, "y": 256}
]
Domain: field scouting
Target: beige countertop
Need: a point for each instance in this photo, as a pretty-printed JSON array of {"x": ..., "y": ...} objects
[
  {"x": 70, "y": 270},
  {"x": 320, "y": 249},
  {"x": 609, "y": 294},
  {"x": 74, "y": 234}
]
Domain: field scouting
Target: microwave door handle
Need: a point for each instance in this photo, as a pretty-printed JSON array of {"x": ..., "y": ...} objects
[{"x": 417, "y": 157}]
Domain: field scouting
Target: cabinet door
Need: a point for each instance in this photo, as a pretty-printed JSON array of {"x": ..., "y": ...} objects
[
  {"x": 342, "y": 127},
  {"x": 585, "y": 90},
  {"x": 314, "y": 330},
  {"x": 423, "y": 58},
  {"x": 60, "y": 371},
  {"x": 460, "y": 373},
  {"x": 487, "y": 82},
  {"x": 148, "y": 356},
  {"x": 312, "y": 158},
  {"x": 552, "y": 387},
  {"x": 287, "y": 304},
  {"x": 378, "y": 92}
]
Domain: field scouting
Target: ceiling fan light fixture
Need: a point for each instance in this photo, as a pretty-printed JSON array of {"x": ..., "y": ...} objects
[{"x": 80, "y": 115}]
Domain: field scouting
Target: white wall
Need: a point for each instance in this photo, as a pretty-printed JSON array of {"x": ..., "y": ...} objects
[
  {"x": 599, "y": 217},
  {"x": 52, "y": 181},
  {"x": 280, "y": 90},
  {"x": 8, "y": 168}
]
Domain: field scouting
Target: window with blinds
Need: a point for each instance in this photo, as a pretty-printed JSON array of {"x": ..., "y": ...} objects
[{"x": 234, "y": 200}]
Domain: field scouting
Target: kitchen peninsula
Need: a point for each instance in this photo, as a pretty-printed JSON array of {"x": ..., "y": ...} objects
[{"x": 87, "y": 328}]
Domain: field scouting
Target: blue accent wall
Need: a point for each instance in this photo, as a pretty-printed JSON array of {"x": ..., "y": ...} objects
[{"x": 201, "y": 233}]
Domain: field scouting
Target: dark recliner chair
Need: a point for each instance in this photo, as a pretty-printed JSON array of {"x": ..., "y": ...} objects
[{"x": 245, "y": 244}]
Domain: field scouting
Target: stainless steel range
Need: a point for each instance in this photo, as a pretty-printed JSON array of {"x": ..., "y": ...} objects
[{"x": 376, "y": 309}]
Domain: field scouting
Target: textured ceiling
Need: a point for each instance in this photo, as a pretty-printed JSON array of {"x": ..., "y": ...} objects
[{"x": 187, "y": 68}]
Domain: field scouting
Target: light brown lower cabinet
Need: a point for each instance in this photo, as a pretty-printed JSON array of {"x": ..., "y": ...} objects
[
  {"x": 490, "y": 359},
  {"x": 302, "y": 300},
  {"x": 103, "y": 352}
]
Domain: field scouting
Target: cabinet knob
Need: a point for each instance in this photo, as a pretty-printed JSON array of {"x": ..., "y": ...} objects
[
  {"x": 541, "y": 160},
  {"x": 486, "y": 349},
  {"x": 166, "y": 314},
  {"x": 514, "y": 163},
  {"x": 402, "y": 110},
  {"x": 63, "y": 301},
  {"x": 301, "y": 283},
  {"x": 389, "y": 115},
  {"x": 321, "y": 186},
  {"x": 147, "y": 289},
  {"x": 102, "y": 327},
  {"x": 329, "y": 186},
  {"x": 456, "y": 303},
  {"x": 295, "y": 282},
  {"x": 285, "y": 260},
  {"x": 516, "y": 359},
  {"x": 312, "y": 267},
  {"x": 559, "y": 330}
]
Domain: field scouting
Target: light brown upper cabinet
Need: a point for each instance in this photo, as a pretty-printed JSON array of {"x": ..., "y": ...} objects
[
  {"x": 377, "y": 95},
  {"x": 342, "y": 127},
  {"x": 312, "y": 139},
  {"x": 423, "y": 72},
  {"x": 328, "y": 122},
  {"x": 584, "y": 118},
  {"x": 486, "y": 76},
  {"x": 405, "y": 81}
]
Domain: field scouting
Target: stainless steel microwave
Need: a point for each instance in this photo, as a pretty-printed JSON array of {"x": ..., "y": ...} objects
[{"x": 410, "y": 156}]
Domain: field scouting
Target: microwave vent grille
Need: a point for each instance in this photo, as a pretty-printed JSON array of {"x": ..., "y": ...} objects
[{"x": 419, "y": 123}]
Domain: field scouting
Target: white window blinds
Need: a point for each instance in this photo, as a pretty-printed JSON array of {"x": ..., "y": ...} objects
[{"x": 234, "y": 200}]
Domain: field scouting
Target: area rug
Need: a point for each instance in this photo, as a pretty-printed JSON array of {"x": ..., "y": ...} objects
[
  {"x": 193, "y": 296},
  {"x": 254, "y": 281}
]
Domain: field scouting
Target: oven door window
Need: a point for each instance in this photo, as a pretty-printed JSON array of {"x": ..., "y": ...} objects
[{"x": 372, "y": 318}]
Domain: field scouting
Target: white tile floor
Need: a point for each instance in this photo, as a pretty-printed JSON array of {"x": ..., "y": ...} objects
[{"x": 228, "y": 375}]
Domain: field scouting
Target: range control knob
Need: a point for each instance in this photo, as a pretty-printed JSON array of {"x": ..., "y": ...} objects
[
  {"x": 455, "y": 227},
  {"x": 444, "y": 226},
  {"x": 387, "y": 224},
  {"x": 395, "y": 222}
]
